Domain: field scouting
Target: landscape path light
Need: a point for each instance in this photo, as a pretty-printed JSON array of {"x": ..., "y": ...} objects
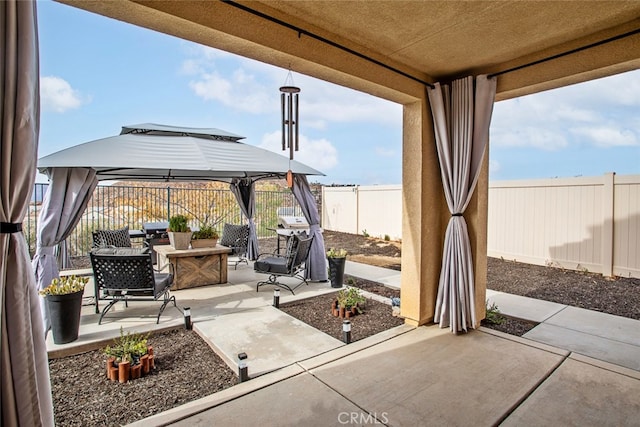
[
  {"x": 346, "y": 331},
  {"x": 187, "y": 318},
  {"x": 276, "y": 297},
  {"x": 243, "y": 370}
]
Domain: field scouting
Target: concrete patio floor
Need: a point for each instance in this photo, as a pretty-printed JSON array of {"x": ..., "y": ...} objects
[{"x": 403, "y": 376}]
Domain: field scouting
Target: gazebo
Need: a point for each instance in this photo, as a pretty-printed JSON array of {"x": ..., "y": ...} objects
[{"x": 152, "y": 152}]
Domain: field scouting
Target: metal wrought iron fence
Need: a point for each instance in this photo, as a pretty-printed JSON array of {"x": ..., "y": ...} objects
[{"x": 114, "y": 207}]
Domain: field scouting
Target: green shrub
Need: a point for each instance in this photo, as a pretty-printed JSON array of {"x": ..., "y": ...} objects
[
  {"x": 205, "y": 232},
  {"x": 493, "y": 314},
  {"x": 179, "y": 224},
  {"x": 128, "y": 347}
]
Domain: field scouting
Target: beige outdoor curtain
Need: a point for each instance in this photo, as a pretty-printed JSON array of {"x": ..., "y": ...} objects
[
  {"x": 24, "y": 376},
  {"x": 245, "y": 191},
  {"x": 316, "y": 265},
  {"x": 66, "y": 199},
  {"x": 461, "y": 117}
]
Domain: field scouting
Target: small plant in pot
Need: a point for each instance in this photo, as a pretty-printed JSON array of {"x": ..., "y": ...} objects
[
  {"x": 337, "y": 259},
  {"x": 63, "y": 304},
  {"x": 129, "y": 357},
  {"x": 179, "y": 232},
  {"x": 205, "y": 237},
  {"x": 350, "y": 301}
]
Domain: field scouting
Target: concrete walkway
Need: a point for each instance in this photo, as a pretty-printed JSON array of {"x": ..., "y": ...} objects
[
  {"x": 602, "y": 336},
  {"x": 403, "y": 376}
]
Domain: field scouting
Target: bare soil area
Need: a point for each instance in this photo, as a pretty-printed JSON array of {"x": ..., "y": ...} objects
[{"x": 188, "y": 369}]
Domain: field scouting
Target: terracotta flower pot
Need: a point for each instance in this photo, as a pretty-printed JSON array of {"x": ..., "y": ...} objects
[
  {"x": 110, "y": 365},
  {"x": 136, "y": 371},
  {"x": 124, "y": 371},
  {"x": 342, "y": 311},
  {"x": 113, "y": 373},
  {"x": 144, "y": 362}
]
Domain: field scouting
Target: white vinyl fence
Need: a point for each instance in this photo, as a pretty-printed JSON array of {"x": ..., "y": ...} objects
[
  {"x": 586, "y": 224},
  {"x": 375, "y": 210}
]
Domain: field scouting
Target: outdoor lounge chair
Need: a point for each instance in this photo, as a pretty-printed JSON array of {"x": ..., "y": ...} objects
[
  {"x": 128, "y": 275},
  {"x": 236, "y": 237},
  {"x": 291, "y": 264}
]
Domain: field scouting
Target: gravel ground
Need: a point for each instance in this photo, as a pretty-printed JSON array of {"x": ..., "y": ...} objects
[
  {"x": 316, "y": 311},
  {"x": 188, "y": 369}
]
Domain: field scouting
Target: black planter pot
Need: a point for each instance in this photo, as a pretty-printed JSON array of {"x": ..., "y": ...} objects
[
  {"x": 64, "y": 314},
  {"x": 336, "y": 271}
]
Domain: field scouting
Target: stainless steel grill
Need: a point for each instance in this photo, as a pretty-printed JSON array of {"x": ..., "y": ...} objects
[
  {"x": 293, "y": 222},
  {"x": 155, "y": 234}
]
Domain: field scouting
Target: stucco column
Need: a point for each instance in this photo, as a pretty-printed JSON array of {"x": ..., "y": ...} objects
[
  {"x": 476, "y": 215},
  {"x": 425, "y": 217}
]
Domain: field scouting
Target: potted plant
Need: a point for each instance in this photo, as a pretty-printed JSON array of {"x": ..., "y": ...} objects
[
  {"x": 179, "y": 232},
  {"x": 128, "y": 356},
  {"x": 63, "y": 303},
  {"x": 205, "y": 237},
  {"x": 350, "y": 301},
  {"x": 337, "y": 259}
]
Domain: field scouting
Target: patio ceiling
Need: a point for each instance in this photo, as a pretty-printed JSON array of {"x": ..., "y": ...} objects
[{"x": 429, "y": 40}]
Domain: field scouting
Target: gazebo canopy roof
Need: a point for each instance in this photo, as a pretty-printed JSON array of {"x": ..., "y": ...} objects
[{"x": 152, "y": 152}]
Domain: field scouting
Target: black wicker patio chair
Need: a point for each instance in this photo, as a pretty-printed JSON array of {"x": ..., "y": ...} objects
[
  {"x": 236, "y": 237},
  {"x": 130, "y": 277},
  {"x": 290, "y": 264}
]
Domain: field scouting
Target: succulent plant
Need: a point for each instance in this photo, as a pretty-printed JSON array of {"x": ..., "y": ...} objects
[
  {"x": 336, "y": 253},
  {"x": 65, "y": 285}
]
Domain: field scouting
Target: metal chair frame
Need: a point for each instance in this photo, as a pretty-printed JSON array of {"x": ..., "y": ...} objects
[
  {"x": 294, "y": 259},
  {"x": 129, "y": 278}
]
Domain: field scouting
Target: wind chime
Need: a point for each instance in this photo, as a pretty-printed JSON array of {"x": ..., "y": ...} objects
[{"x": 289, "y": 102}]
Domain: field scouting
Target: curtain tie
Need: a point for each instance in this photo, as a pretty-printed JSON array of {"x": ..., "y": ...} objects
[
  {"x": 457, "y": 214},
  {"x": 10, "y": 227},
  {"x": 45, "y": 250}
]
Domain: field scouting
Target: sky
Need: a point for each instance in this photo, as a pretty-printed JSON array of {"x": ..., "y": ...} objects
[{"x": 99, "y": 74}]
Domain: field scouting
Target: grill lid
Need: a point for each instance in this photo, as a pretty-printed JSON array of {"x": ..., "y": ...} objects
[
  {"x": 293, "y": 222},
  {"x": 155, "y": 227}
]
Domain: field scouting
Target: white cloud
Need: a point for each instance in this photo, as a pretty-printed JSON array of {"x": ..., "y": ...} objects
[
  {"x": 252, "y": 86},
  {"x": 600, "y": 113},
  {"x": 319, "y": 153},
  {"x": 241, "y": 91},
  {"x": 608, "y": 136},
  {"x": 57, "y": 95},
  {"x": 528, "y": 136}
]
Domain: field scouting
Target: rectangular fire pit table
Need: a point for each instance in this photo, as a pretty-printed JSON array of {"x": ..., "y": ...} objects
[{"x": 195, "y": 267}]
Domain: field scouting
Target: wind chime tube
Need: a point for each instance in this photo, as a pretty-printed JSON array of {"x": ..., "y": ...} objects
[
  {"x": 296, "y": 122},
  {"x": 283, "y": 135},
  {"x": 290, "y": 124}
]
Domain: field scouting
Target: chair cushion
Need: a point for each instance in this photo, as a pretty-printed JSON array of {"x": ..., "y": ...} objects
[
  {"x": 163, "y": 281},
  {"x": 231, "y": 233},
  {"x": 271, "y": 265},
  {"x": 106, "y": 238}
]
